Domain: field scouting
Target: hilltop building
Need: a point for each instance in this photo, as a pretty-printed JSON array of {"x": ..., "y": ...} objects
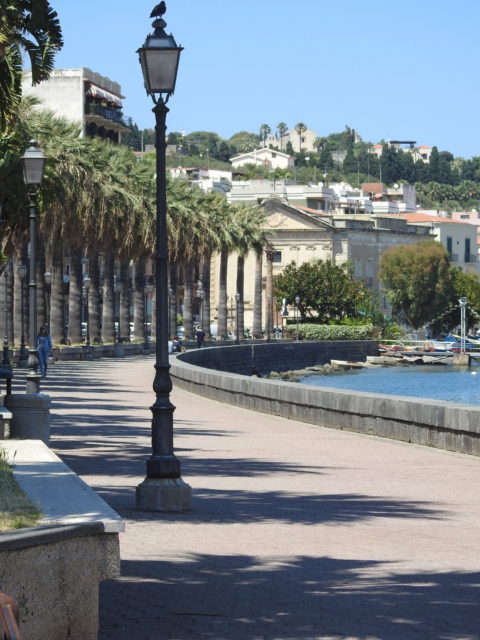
[
  {"x": 268, "y": 158},
  {"x": 83, "y": 96},
  {"x": 423, "y": 152}
]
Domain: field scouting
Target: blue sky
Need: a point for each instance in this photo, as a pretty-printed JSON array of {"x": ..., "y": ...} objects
[{"x": 390, "y": 69}]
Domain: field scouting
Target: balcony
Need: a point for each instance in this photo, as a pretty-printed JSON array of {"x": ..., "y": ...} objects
[
  {"x": 470, "y": 257},
  {"x": 105, "y": 116}
]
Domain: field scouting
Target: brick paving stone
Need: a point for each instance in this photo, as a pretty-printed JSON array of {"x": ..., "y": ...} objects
[{"x": 296, "y": 532}]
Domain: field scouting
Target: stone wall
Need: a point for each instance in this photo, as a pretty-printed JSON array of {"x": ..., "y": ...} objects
[
  {"x": 261, "y": 358},
  {"x": 53, "y": 574},
  {"x": 433, "y": 423}
]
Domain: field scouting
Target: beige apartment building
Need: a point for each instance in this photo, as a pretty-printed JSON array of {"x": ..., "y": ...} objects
[{"x": 83, "y": 96}]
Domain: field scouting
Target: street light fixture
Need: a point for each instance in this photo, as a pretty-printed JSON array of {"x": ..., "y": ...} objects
[
  {"x": 33, "y": 162},
  {"x": 146, "y": 342},
  {"x": 87, "y": 354},
  {"x": 297, "y": 302},
  {"x": 66, "y": 290},
  {"x": 237, "y": 326},
  {"x": 23, "y": 355},
  {"x": 200, "y": 296},
  {"x": 163, "y": 489},
  {"x": 47, "y": 277},
  {"x": 6, "y": 350}
]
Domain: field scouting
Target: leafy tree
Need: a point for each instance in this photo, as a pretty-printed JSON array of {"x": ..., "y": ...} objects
[
  {"x": 29, "y": 26},
  {"x": 466, "y": 284},
  {"x": 350, "y": 162},
  {"x": 390, "y": 165},
  {"x": 327, "y": 292},
  {"x": 245, "y": 141},
  {"x": 289, "y": 149},
  {"x": 418, "y": 281}
]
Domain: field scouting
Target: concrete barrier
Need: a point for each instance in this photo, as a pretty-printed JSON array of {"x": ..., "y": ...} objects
[
  {"x": 53, "y": 571},
  {"x": 30, "y": 416},
  {"x": 432, "y": 423}
]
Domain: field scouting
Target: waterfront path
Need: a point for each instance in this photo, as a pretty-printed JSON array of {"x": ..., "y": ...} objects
[{"x": 297, "y": 532}]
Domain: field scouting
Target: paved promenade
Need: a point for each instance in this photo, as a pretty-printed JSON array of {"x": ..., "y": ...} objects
[{"x": 296, "y": 532}]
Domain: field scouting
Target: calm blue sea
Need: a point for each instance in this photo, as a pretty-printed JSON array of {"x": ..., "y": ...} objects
[{"x": 452, "y": 384}]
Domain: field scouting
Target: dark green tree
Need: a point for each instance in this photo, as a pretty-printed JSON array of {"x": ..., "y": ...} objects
[
  {"x": 418, "y": 281},
  {"x": 289, "y": 149},
  {"x": 327, "y": 292},
  {"x": 390, "y": 166}
]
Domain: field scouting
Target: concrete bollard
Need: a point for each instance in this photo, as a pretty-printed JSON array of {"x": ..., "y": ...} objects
[{"x": 30, "y": 416}]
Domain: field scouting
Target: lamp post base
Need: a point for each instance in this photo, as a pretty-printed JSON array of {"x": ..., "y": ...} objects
[{"x": 164, "y": 494}]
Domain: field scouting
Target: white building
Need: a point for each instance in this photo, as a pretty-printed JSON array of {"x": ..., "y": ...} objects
[
  {"x": 268, "y": 158},
  {"x": 83, "y": 96}
]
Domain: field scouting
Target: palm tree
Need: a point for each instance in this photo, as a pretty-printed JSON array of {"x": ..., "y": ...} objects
[
  {"x": 252, "y": 236},
  {"x": 282, "y": 130},
  {"x": 300, "y": 128},
  {"x": 31, "y": 26},
  {"x": 264, "y": 132}
]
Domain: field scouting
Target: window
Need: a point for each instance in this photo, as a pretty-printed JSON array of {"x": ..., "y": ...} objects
[
  {"x": 358, "y": 267},
  {"x": 465, "y": 216},
  {"x": 274, "y": 155},
  {"x": 277, "y": 256},
  {"x": 449, "y": 245}
]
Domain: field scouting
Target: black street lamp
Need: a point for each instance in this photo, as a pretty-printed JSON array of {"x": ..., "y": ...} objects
[
  {"x": 237, "y": 325},
  {"x": 146, "y": 341},
  {"x": 297, "y": 302},
  {"x": 47, "y": 276},
  {"x": 33, "y": 162},
  {"x": 6, "y": 350},
  {"x": 163, "y": 489},
  {"x": 87, "y": 352},
  {"x": 66, "y": 290},
  {"x": 200, "y": 296},
  {"x": 23, "y": 355}
]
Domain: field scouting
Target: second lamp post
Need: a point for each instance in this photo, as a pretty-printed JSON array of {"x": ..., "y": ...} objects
[{"x": 163, "y": 489}]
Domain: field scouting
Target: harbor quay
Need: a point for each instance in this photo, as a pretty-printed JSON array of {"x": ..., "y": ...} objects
[{"x": 296, "y": 531}]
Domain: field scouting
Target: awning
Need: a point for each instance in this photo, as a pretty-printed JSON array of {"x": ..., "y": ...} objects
[{"x": 97, "y": 92}]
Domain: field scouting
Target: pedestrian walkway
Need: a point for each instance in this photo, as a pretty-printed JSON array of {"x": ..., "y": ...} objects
[{"x": 296, "y": 532}]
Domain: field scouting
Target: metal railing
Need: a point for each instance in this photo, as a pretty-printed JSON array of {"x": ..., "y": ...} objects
[
  {"x": 104, "y": 112},
  {"x": 9, "y": 618}
]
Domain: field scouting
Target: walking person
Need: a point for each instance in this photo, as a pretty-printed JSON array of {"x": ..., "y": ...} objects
[
  {"x": 200, "y": 337},
  {"x": 44, "y": 347}
]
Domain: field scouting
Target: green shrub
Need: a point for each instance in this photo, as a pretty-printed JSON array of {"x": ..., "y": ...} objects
[{"x": 333, "y": 332}]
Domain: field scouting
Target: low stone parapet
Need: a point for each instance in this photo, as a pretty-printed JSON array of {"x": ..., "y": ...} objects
[
  {"x": 433, "y": 423},
  {"x": 53, "y": 571}
]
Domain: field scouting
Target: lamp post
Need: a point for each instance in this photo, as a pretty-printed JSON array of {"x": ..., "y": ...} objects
[
  {"x": 146, "y": 342},
  {"x": 47, "y": 276},
  {"x": 6, "y": 351},
  {"x": 163, "y": 489},
  {"x": 200, "y": 296},
  {"x": 297, "y": 302},
  {"x": 66, "y": 289},
  {"x": 33, "y": 162},
  {"x": 87, "y": 352},
  {"x": 463, "y": 306},
  {"x": 23, "y": 355},
  {"x": 237, "y": 326}
]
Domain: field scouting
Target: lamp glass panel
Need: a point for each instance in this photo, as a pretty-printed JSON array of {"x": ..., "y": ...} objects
[
  {"x": 160, "y": 69},
  {"x": 33, "y": 169}
]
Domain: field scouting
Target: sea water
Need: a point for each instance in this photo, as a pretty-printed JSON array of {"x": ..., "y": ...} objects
[{"x": 438, "y": 382}]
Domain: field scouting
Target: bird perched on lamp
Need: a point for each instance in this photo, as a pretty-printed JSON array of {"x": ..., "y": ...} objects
[{"x": 159, "y": 10}]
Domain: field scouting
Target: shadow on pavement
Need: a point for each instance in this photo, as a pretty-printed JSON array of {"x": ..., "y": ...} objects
[{"x": 300, "y": 598}]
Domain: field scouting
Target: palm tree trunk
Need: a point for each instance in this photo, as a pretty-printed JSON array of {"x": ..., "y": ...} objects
[
  {"x": 187, "y": 301},
  {"x": 94, "y": 310},
  {"x": 139, "y": 311},
  {"x": 222, "y": 330},
  {"x": 124, "y": 328},
  {"x": 240, "y": 309},
  {"x": 75, "y": 297},
  {"x": 17, "y": 304},
  {"x": 257, "y": 302},
  {"x": 108, "y": 295},
  {"x": 206, "y": 311},
  {"x": 57, "y": 299}
]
